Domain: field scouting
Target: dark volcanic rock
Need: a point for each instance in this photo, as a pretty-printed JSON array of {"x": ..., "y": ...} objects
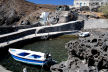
[
  {"x": 85, "y": 8},
  {"x": 9, "y": 18},
  {"x": 11, "y": 11},
  {"x": 86, "y": 55},
  {"x": 62, "y": 17}
]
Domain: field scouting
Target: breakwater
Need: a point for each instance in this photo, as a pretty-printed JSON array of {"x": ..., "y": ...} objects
[{"x": 20, "y": 33}]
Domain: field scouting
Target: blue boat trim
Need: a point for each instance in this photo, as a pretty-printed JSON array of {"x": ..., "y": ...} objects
[
  {"x": 34, "y": 56},
  {"x": 25, "y": 58},
  {"x": 23, "y": 54},
  {"x": 28, "y": 60}
]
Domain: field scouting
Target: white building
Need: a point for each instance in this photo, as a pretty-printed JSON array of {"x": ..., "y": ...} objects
[{"x": 79, "y": 3}]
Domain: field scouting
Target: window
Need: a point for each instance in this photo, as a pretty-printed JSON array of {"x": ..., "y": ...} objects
[
  {"x": 77, "y": 3},
  {"x": 80, "y": 4},
  {"x": 23, "y": 54}
]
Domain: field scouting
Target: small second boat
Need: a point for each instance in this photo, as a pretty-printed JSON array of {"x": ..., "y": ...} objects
[{"x": 30, "y": 57}]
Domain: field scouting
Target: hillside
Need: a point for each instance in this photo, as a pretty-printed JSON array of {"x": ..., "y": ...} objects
[{"x": 12, "y": 12}]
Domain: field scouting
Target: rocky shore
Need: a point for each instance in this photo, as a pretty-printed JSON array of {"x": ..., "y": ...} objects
[{"x": 86, "y": 54}]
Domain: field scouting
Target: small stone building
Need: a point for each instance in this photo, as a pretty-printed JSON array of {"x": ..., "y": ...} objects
[{"x": 90, "y": 3}]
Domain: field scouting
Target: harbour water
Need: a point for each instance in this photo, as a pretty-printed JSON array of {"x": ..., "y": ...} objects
[{"x": 56, "y": 47}]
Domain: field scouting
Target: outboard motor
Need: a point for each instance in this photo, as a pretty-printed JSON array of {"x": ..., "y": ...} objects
[{"x": 48, "y": 56}]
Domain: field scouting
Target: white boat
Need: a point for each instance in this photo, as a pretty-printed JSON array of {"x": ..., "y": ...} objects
[
  {"x": 84, "y": 34},
  {"x": 29, "y": 57}
]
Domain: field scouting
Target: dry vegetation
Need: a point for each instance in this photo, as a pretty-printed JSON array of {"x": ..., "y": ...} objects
[
  {"x": 98, "y": 14},
  {"x": 104, "y": 9}
]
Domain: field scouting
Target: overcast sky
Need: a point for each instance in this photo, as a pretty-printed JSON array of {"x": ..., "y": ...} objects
[{"x": 54, "y": 2}]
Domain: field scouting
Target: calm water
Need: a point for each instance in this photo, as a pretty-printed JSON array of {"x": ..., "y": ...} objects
[{"x": 55, "y": 47}]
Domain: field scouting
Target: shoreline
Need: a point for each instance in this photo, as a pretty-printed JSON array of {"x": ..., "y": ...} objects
[{"x": 3, "y": 69}]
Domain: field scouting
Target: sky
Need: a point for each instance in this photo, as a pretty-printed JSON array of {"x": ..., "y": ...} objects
[{"x": 54, "y": 2}]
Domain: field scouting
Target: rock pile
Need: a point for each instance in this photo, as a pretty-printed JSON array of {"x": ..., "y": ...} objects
[
  {"x": 61, "y": 17},
  {"x": 85, "y": 55}
]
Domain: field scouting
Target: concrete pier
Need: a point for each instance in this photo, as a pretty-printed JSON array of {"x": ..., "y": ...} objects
[{"x": 36, "y": 32}]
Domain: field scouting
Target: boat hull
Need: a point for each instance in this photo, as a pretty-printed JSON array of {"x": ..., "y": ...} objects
[{"x": 28, "y": 61}]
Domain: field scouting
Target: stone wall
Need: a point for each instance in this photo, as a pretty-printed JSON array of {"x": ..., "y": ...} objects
[{"x": 69, "y": 26}]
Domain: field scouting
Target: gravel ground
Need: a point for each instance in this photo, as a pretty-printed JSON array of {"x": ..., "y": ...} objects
[
  {"x": 2, "y": 69},
  {"x": 96, "y": 23}
]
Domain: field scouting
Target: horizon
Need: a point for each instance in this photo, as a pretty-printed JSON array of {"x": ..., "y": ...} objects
[{"x": 53, "y": 2}]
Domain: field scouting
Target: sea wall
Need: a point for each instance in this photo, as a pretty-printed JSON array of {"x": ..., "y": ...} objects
[{"x": 17, "y": 34}]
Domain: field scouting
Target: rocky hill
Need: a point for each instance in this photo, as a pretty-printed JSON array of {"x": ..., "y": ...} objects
[{"x": 13, "y": 12}]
